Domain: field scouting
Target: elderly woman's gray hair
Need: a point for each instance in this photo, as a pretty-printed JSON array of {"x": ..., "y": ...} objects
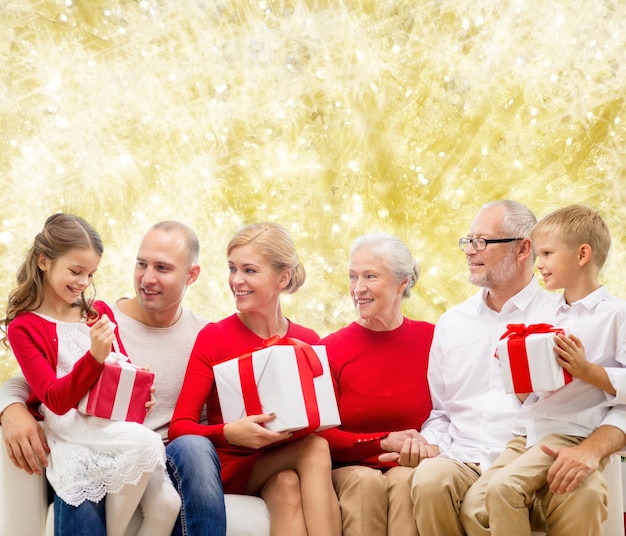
[{"x": 394, "y": 253}]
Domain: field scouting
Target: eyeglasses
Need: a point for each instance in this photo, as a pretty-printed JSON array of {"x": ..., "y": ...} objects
[{"x": 480, "y": 244}]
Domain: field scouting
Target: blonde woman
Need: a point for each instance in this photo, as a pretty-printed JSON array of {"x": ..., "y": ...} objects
[{"x": 292, "y": 476}]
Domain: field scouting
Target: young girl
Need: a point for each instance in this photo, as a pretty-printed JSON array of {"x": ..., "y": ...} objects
[
  {"x": 294, "y": 477},
  {"x": 61, "y": 339}
]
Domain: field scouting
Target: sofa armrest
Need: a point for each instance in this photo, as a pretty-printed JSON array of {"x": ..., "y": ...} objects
[
  {"x": 614, "y": 525},
  {"x": 23, "y": 499}
]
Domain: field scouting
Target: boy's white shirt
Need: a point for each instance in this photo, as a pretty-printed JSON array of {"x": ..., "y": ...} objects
[{"x": 578, "y": 408}]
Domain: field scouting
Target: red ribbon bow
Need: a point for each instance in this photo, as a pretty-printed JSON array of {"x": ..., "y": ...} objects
[
  {"x": 522, "y": 330},
  {"x": 309, "y": 367}
]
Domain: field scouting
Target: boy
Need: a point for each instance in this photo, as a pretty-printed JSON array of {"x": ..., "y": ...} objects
[{"x": 571, "y": 245}]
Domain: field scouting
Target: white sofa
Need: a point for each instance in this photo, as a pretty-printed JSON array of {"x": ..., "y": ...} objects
[{"x": 24, "y": 509}]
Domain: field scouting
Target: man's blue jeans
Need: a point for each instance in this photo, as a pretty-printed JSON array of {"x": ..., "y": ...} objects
[
  {"x": 194, "y": 468},
  {"x": 88, "y": 518}
]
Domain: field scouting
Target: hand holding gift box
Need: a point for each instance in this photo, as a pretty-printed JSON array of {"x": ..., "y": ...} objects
[
  {"x": 528, "y": 360},
  {"x": 121, "y": 392},
  {"x": 288, "y": 378}
]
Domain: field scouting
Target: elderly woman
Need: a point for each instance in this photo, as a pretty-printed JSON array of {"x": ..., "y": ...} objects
[{"x": 379, "y": 365}]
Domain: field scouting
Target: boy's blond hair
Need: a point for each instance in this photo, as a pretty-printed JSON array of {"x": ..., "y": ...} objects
[{"x": 576, "y": 225}]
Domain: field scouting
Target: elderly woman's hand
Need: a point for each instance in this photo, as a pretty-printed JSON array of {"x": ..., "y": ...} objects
[{"x": 394, "y": 441}]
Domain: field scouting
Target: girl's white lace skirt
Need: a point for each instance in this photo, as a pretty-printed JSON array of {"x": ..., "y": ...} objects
[{"x": 90, "y": 456}]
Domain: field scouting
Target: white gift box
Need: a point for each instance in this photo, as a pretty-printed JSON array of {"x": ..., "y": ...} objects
[
  {"x": 528, "y": 360},
  {"x": 293, "y": 382}
]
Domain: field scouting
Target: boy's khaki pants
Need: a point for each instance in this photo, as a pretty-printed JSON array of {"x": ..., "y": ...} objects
[{"x": 500, "y": 501}]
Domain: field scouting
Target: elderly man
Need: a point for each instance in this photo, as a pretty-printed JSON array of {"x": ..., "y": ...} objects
[{"x": 471, "y": 420}]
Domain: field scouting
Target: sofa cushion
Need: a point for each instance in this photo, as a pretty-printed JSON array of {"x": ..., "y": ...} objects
[{"x": 245, "y": 516}]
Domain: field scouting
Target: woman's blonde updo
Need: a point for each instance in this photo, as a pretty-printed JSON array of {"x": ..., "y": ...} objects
[{"x": 274, "y": 244}]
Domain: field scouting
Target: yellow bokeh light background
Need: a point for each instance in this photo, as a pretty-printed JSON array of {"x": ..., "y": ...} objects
[{"x": 333, "y": 118}]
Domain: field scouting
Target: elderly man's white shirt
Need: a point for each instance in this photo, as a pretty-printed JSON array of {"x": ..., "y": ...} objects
[{"x": 472, "y": 416}]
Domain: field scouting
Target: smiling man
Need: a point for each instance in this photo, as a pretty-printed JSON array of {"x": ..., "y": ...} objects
[{"x": 158, "y": 332}]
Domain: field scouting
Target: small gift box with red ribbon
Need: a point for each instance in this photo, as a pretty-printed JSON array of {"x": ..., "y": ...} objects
[
  {"x": 288, "y": 378},
  {"x": 528, "y": 360},
  {"x": 121, "y": 392}
]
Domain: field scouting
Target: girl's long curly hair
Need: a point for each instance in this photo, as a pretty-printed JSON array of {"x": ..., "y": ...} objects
[{"x": 60, "y": 234}]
